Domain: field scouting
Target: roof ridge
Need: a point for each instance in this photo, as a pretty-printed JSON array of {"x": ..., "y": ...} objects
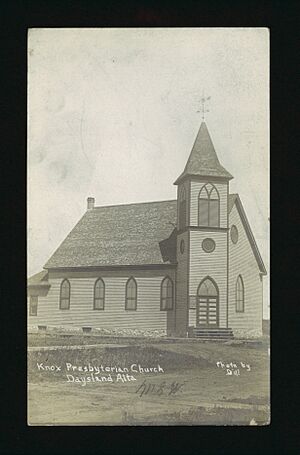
[{"x": 133, "y": 203}]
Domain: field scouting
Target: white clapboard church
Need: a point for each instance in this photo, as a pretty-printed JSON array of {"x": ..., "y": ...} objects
[{"x": 183, "y": 267}]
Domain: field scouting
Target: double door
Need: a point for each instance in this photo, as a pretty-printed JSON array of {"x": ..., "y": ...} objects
[{"x": 207, "y": 311}]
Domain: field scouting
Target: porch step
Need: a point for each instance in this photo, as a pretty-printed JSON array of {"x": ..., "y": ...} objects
[{"x": 218, "y": 334}]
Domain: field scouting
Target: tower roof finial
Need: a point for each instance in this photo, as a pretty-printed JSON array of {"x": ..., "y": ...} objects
[{"x": 203, "y": 100}]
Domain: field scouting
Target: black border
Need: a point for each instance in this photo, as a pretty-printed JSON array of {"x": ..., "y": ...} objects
[{"x": 282, "y": 17}]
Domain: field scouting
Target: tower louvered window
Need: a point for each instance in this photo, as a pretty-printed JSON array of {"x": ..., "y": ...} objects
[{"x": 209, "y": 206}]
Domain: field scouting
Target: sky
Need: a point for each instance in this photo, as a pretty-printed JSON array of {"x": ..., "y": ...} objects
[{"x": 112, "y": 113}]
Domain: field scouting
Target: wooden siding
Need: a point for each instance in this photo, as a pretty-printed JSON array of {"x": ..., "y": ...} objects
[
  {"x": 209, "y": 264},
  {"x": 182, "y": 285},
  {"x": 148, "y": 315},
  {"x": 192, "y": 317},
  {"x": 242, "y": 262},
  {"x": 195, "y": 189},
  {"x": 186, "y": 186}
]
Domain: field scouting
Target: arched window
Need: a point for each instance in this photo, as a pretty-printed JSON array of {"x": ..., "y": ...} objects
[
  {"x": 99, "y": 294},
  {"x": 65, "y": 292},
  {"x": 208, "y": 288},
  {"x": 131, "y": 294},
  {"x": 239, "y": 295},
  {"x": 166, "y": 294},
  {"x": 209, "y": 206},
  {"x": 182, "y": 208}
]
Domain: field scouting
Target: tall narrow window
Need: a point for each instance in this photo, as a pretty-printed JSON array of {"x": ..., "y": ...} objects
[
  {"x": 99, "y": 294},
  {"x": 166, "y": 296},
  {"x": 182, "y": 208},
  {"x": 209, "y": 206},
  {"x": 33, "y": 305},
  {"x": 214, "y": 208},
  {"x": 203, "y": 208},
  {"x": 239, "y": 295},
  {"x": 65, "y": 291},
  {"x": 131, "y": 294}
]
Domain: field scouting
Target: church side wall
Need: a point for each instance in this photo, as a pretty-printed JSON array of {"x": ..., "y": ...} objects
[
  {"x": 242, "y": 262},
  {"x": 195, "y": 189},
  {"x": 182, "y": 285},
  {"x": 148, "y": 315}
]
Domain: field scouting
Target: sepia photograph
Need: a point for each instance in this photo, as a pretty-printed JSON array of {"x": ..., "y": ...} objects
[{"x": 148, "y": 297}]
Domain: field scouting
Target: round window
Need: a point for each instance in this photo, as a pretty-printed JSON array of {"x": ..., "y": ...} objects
[
  {"x": 234, "y": 234},
  {"x": 208, "y": 245},
  {"x": 182, "y": 246}
]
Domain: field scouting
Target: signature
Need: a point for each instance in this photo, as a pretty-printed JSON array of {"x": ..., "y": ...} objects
[
  {"x": 162, "y": 388},
  {"x": 233, "y": 368}
]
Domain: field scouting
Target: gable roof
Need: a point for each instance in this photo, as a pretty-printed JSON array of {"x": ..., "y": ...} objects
[
  {"x": 120, "y": 235},
  {"x": 234, "y": 199},
  {"x": 131, "y": 234},
  {"x": 203, "y": 160}
]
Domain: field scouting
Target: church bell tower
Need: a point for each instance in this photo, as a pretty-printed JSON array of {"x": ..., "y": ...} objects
[{"x": 202, "y": 239}]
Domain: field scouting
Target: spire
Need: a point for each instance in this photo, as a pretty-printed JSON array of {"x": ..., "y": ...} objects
[{"x": 203, "y": 160}]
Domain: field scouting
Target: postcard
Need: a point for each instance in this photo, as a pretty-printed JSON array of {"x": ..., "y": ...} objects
[{"x": 148, "y": 226}]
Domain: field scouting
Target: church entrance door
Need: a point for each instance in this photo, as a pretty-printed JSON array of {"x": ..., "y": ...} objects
[{"x": 207, "y": 304}]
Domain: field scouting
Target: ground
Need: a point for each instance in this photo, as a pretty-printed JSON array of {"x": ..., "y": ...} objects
[{"x": 193, "y": 389}]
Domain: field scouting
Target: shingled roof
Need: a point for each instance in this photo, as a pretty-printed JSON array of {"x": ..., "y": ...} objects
[
  {"x": 39, "y": 279},
  {"x": 203, "y": 160},
  {"x": 132, "y": 234}
]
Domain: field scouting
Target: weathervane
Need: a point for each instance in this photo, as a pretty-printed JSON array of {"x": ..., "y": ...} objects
[{"x": 203, "y": 109}]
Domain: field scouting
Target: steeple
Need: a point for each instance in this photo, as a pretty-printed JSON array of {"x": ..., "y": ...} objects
[{"x": 203, "y": 160}]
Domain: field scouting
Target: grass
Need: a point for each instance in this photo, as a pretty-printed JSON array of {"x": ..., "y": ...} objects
[
  {"x": 60, "y": 339},
  {"x": 207, "y": 396},
  {"x": 199, "y": 415},
  {"x": 120, "y": 356},
  {"x": 39, "y": 339}
]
